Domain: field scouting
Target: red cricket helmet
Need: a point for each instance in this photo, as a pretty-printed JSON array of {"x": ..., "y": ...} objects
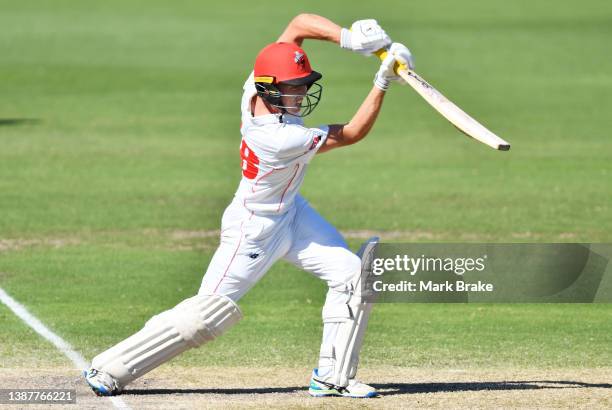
[{"x": 286, "y": 63}]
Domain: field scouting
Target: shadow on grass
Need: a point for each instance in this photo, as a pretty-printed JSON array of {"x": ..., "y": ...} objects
[
  {"x": 390, "y": 389},
  {"x": 7, "y": 122},
  {"x": 253, "y": 390}
]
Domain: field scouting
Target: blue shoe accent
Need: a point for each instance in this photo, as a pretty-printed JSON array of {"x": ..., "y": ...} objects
[
  {"x": 319, "y": 388},
  {"x": 99, "y": 388}
]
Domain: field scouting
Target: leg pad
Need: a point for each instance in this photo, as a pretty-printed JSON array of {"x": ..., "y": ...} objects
[
  {"x": 350, "y": 320},
  {"x": 189, "y": 324}
]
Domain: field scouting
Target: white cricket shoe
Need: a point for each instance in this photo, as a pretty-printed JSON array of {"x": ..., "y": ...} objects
[
  {"x": 101, "y": 383},
  {"x": 356, "y": 389}
]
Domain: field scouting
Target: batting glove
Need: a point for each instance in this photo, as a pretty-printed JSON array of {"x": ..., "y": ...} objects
[
  {"x": 364, "y": 37},
  {"x": 386, "y": 73}
]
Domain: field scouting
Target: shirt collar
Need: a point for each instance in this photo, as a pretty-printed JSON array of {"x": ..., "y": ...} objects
[{"x": 266, "y": 119}]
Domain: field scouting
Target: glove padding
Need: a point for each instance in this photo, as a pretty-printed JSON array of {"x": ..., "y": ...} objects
[
  {"x": 397, "y": 52},
  {"x": 364, "y": 37}
]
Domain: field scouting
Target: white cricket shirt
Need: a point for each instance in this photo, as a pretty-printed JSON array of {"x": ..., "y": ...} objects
[{"x": 274, "y": 153}]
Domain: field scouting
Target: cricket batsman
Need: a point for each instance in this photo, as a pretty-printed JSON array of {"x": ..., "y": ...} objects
[{"x": 268, "y": 219}]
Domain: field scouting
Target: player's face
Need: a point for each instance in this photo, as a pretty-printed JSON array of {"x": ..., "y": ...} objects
[{"x": 292, "y": 97}]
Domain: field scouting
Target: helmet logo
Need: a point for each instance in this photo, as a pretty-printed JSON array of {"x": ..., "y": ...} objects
[{"x": 299, "y": 58}]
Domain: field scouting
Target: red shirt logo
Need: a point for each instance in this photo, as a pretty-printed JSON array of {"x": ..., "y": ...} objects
[{"x": 315, "y": 142}]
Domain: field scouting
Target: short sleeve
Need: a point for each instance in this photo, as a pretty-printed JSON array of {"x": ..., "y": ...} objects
[
  {"x": 301, "y": 140},
  {"x": 248, "y": 92}
]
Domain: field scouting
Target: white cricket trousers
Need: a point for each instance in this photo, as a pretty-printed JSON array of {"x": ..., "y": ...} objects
[{"x": 250, "y": 244}]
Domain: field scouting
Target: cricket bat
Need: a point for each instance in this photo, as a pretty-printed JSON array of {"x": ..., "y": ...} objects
[{"x": 459, "y": 118}]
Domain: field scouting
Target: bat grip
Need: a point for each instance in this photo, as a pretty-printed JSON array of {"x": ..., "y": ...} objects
[{"x": 383, "y": 53}]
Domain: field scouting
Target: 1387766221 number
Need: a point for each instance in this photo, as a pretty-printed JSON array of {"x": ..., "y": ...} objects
[{"x": 249, "y": 161}]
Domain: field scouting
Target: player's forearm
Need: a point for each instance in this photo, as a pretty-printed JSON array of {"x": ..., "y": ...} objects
[
  {"x": 310, "y": 26},
  {"x": 341, "y": 135},
  {"x": 365, "y": 117}
]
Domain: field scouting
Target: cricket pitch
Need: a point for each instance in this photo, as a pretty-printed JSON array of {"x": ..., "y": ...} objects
[{"x": 231, "y": 387}]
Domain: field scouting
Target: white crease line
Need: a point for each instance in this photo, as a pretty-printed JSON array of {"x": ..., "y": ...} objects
[{"x": 75, "y": 357}]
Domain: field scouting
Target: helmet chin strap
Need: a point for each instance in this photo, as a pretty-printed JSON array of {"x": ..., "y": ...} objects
[{"x": 276, "y": 109}]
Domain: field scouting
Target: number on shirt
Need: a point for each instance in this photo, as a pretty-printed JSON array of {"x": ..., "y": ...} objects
[{"x": 249, "y": 161}]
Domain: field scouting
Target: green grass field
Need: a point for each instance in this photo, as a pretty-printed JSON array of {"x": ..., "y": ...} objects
[{"x": 119, "y": 134}]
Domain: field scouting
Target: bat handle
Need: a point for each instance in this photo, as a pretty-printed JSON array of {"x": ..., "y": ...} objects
[{"x": 382, "y": 54}]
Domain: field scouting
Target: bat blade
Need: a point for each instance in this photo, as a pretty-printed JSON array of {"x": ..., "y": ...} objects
[{"x": 459, "y": 118}]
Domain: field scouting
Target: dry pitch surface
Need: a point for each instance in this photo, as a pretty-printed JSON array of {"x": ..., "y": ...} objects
[{"x": 187, "y": 388}]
